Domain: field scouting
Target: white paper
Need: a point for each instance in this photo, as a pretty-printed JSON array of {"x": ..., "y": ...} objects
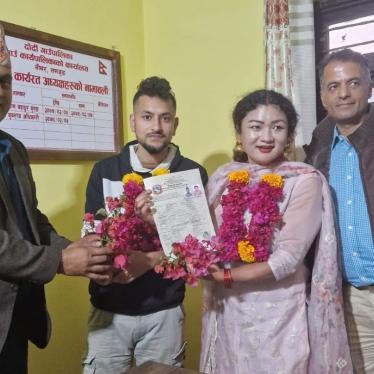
[{"x": 180, "y": 207}]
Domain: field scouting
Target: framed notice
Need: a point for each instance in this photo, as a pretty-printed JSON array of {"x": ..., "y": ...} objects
[{"x": 67, "y": 101}]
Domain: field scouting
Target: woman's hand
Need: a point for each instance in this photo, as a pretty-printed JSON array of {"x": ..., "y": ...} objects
[
  {"x": 122, "y": 277},
  {"x": 143, "y": 207},
  {"x": 215, "y": 273},
  {"x": 138, "y": 263}
]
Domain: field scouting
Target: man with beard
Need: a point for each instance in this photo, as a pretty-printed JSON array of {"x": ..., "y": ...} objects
[
  {"x": 141, "y": 320},
  {"x": 31, "y": 251}
]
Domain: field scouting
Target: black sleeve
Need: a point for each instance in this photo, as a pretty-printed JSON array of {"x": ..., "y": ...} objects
[
  {"x": 204, "y": 175},
  {"x": 94, "y": 192}
]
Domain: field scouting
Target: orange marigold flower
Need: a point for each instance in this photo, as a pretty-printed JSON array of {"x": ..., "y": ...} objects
[
  {"x": 245, "y": 251},
  {"x": 274, "y": 180},
  {"x": 160, "y": 171},
  {"x": 138, "y": 179},
  {"x": 239, "y": 176}
]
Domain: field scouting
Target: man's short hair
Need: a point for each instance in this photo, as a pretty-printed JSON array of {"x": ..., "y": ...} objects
[
  {"x": 155, "y": 87},
  {"x": 344, "y": 55}
]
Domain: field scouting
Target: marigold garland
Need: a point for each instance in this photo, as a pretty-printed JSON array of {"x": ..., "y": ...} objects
[
  {"x": 122, "y": 230},
  {"x": 235, "y": 237},
  {"x": 236, "y": 240}
]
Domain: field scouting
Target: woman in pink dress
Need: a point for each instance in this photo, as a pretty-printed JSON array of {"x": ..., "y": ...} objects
[{"x": 283, "y": 315}]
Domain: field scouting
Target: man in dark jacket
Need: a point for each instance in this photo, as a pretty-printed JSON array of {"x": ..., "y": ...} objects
[
  {"x": 31, "y": 252},
  {"x": 142, "y": 320},
  {"x": 342, "y": 148}
]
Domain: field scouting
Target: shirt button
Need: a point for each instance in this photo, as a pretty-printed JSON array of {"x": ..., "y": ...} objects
[
  {"x": 349, "y": 177},
  {"x": 350, "y": 154},
  {"x": 349, "y": 202},
  {"x": 354, "y": 253},
  {"x": 350, "y": 227}
]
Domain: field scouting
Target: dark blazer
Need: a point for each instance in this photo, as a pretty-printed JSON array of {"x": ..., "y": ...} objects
[{"x": 25, "y": 266}]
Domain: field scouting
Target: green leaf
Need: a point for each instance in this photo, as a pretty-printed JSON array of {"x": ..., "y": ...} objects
[{"x": 102, "y": 212}]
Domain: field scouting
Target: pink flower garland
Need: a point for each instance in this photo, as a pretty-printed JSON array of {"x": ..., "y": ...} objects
[
  {"x": 189, "y": 261},
  {"x": 261, "y": 200},
  {"x": 122, "y": 230},
  {"x": 235, "y": 240}
]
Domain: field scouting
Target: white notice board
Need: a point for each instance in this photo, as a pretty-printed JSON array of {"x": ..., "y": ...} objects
[{"x": 66, "y": 96}]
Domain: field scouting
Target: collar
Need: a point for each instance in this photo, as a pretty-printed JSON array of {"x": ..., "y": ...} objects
[
  {"x": 337, "y": 138},
  {"x": 138, "y": 167}
]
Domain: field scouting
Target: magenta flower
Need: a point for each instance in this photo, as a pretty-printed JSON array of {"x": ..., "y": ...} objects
[
  {"x": 120, "y": 262},
  {"x": 89, "y": 217},
  {"x": 122, "y": 230}
]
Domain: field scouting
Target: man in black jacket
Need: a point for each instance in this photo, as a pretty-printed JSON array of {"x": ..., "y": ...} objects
[{"x": 143, "y": 319}]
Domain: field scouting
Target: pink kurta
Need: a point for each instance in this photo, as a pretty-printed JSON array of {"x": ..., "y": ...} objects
[{"x": 269, "y": 327}]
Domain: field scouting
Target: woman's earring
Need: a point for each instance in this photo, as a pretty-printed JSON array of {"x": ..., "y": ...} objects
[
  {"x": 238, "y": 146},
  {"x": 287, "y": 149},
  {"x": 239, "y": 154}
]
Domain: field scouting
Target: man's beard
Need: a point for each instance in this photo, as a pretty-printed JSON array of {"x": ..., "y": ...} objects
[{"x": 152, "y": 149}]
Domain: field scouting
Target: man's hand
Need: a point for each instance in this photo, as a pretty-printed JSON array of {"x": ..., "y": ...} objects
[
  {"x": 86, "y": 257},
  {"x": 144, "y": 207},
  {"x": 139, "y": 263}
]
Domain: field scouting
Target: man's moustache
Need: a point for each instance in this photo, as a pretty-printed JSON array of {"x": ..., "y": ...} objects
[{"x": 155, "y": 133}]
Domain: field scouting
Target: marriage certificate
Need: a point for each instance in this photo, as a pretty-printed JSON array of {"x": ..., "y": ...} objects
[{"x": 180, "y": 207}]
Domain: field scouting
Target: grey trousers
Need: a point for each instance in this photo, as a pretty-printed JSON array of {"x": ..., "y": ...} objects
[{"x": 116, "y": 342}]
